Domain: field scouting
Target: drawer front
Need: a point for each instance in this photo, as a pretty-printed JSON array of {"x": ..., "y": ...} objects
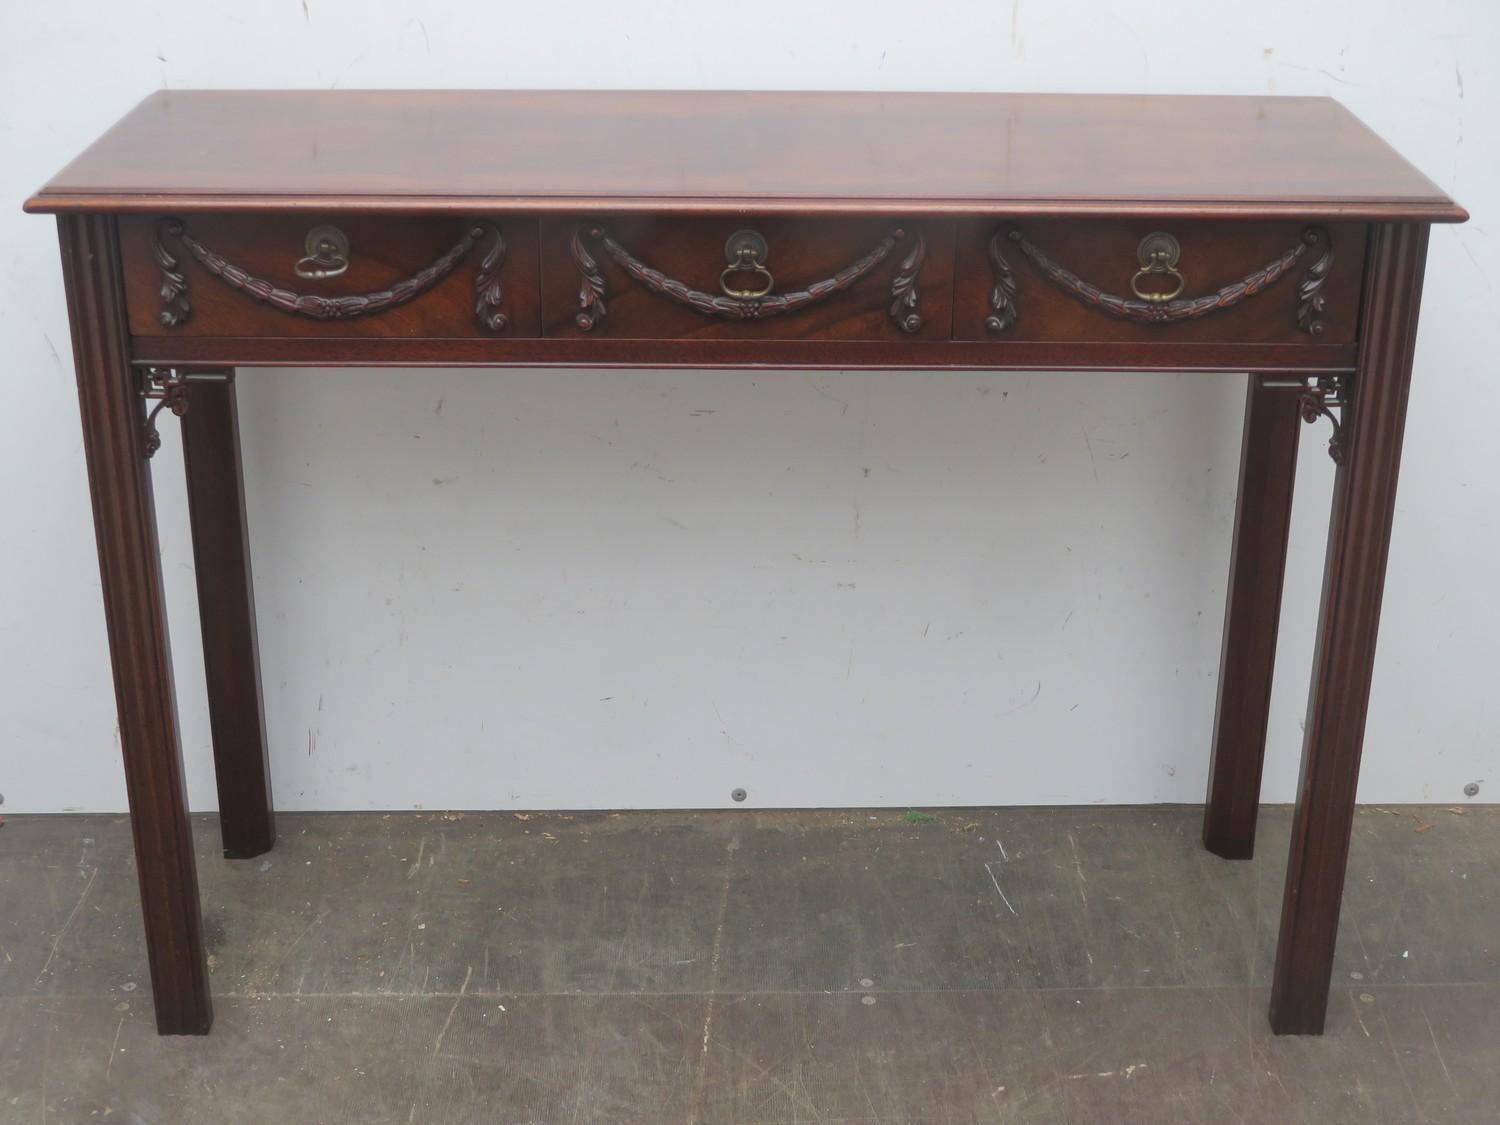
[
  {"x": 373, "y": 276},
  {"x": 747, "y": 278},
  {"x": 1204, "y": 282}
]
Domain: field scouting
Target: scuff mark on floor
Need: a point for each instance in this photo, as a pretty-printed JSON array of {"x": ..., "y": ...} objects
[
  {"x": 57, "y": 941},
  {"x": 1123, "y": 1072},
  {"x": 713, "y": 978},
  {"x": 457, "y": 1000},
  {"x": 998, "y": 891},
  {"x": 1078, "y": 868}
]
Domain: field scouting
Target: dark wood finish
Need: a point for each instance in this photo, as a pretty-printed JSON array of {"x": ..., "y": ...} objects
[
  {"x": 1214, "y": 255},
  {"x": 1364, "y": 501},
  {"x": 135, "y": 617},
  {"x": 1238, "y": 182},
  {"x": 678, "y": 153},
  {"x": 384, "y": 251},
  {"x": 226, "y": 613},
  {"x": 1163, "y": 304},
  {"x": 803, "y": 253},
  {"x": 1262, "y": 523},
  {"x": 904, "y": 354},
  {"x": 177, "y": 297}
]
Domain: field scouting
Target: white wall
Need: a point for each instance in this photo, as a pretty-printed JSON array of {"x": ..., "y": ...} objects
[{"x": 643, "y": 589}]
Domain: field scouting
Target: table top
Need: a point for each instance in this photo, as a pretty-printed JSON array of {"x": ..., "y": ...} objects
[{"x": 548, "y": 151}]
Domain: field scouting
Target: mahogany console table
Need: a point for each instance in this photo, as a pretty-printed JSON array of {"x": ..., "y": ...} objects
[{"x": 1272, "y": 236}]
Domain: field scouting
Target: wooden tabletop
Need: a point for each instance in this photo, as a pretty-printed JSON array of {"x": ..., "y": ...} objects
[{"x": 497, "y": 151}]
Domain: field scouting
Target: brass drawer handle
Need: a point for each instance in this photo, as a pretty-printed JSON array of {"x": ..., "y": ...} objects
[
  {"x": 744, "y": 255},
  {"x": 1158, "y": 254},
  {"x": 328, "y": 256},
  {"x": 746, "y": 252}
]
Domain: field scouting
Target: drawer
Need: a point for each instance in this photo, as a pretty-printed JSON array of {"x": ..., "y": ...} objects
[
  {"x": 371, "y": 275},
  {"x": 1228, "y": 282},
  {"x": 747, "y": 277}
]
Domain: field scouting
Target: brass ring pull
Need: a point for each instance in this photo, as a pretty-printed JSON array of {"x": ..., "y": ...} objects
[
  {"x": 746, "y": 251},
  {"x": 1158, "y": 254},
  {"x": 746, "y": 267},
  {"x": 327, "y": 254}
]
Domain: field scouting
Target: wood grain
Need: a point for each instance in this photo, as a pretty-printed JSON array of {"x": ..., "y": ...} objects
[
  {"x": 802, "y": 251},
  {"x": 682, "y": 152},
  {"x": 383, "y": 250},
  {"x": 1104, "y": 253}
]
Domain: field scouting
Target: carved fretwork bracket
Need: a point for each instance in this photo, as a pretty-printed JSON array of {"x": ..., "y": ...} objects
[
  {"x": 167, "y": 388},
  {"x": 1319, "y": 400}
]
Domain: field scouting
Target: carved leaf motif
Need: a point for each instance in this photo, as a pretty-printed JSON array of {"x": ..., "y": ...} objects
[
  {"x": 591, "y": 309},
  {"x": 1310, "y": 298},
  {"x": 904, "y": 288},
  {"x": 488, "y": 291},
  {"x": 175, "y": 307},
  {"x": 1003, "y": 307}
]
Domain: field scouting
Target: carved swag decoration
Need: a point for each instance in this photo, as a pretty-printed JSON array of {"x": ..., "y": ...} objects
[
  {"x": 176, "y": 309},
  {"x": 1004, "y": 308},
  {"x": 591, "y": 237}
]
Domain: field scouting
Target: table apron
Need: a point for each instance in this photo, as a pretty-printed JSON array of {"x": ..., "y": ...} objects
[{"x": 1019, "y": 355}]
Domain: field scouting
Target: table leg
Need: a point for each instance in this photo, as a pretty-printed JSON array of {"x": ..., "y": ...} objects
[
  {"x": 226, "y": 611},
  {"x": 1262, "y": 520},
  {"x": 1364, "y": 495},
  {"x": 114, "y": 445}
]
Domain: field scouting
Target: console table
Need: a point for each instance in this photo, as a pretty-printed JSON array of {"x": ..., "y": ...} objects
[{"x": 1277, "y": 237}]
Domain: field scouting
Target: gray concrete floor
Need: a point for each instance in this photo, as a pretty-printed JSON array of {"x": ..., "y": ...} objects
[{"x": 991, "y": 965}]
